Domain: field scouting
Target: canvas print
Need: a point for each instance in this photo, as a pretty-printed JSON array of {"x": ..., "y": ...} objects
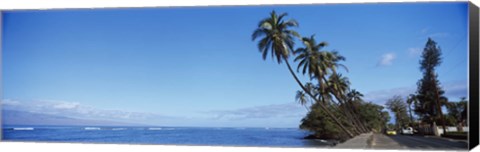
[{"x": 377, "y": 75}]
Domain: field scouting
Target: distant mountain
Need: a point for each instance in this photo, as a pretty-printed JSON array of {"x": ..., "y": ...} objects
[{"x": 13, "y": 117}]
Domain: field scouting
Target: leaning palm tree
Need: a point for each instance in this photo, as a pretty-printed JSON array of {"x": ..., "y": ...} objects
[
  {"x": 314, "y": 62},
  {"x": 277, "y": 37},
  {"x": 302, "y": 99},
  {"x": 339, "y": 85},
  {"x": 318, "y": 64},
  {"x": 354, "y": 100},
  {"x": 309, "y": 58}
]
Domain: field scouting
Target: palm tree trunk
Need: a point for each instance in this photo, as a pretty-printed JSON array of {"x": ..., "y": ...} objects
[
  {"x": 341, "y": 107},
  {"x": 350, "y": 115},
  {"x": 355, "y": 110},
  {"x": 356, "y": 116},
  {"x": 347, "y": 111},
  {"x": 321, "y": 105},
  {"x": 336, "y": 107}
]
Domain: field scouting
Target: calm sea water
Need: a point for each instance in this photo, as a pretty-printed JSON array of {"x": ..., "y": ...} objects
[{"x": 258, "y": 137}]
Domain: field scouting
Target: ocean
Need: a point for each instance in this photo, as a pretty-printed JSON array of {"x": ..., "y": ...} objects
[{"x": 255, "y": 137}]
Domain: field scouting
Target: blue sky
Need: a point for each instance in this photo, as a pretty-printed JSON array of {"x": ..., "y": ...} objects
[{"x": 197, "y": 66}]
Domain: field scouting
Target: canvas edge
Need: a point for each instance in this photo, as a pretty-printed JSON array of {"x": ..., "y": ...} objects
[{"x": 473, "y": 105}]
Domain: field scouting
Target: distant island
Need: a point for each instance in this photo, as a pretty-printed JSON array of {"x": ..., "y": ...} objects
[{"x": 24, "y": 118}]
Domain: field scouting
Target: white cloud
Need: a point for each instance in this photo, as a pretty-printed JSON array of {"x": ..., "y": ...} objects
[
  {"x": 77, "y": 110},
  {"x": 66, "y": 105},
  {"x": 279, "y": 115},
  {"x": 387, "y": 59},
  {"x": 287, "y": 110},
  {"x": 10, "y": 102}
]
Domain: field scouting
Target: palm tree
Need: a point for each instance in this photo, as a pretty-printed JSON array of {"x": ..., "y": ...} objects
[
  {"x": 338, "y": 86},
  {"x": 277, "y": 37},
  {"x": 352, "y": 101},
  {"x": 317, "y": 64},
  {"x": 354, "y": 95},
  {"x": 302, "y": 99},
  {"x": 310, "y": 57}
]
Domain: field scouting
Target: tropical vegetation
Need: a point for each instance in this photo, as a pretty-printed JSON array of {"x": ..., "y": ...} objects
[{"x": 335, "y": 111}]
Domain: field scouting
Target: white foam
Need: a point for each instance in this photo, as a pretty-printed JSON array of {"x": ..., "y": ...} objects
[
  {"x": 92, "y": 128},
  {"x": 168, "y": 129},
  {"x": 27, "y": 128},
  {"x": 154, "y": 128},
  {"x": 119, "y": 128}
]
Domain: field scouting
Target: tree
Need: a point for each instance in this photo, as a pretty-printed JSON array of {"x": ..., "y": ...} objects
[
  {"x": 399, "y": 108},
  {"x": 318, "y": 64},
  {"x": 318, "y": 122},
  {"x": 411, "y": 99},
  {"x": 385, "y": 117},
  {"x": 354, "y": 95},
  {"x": 457, "y": 111},
  {"x": 429, "y": 93},
  {"x": 373, "y": 115},
  {"x": 354, "y": 100},
  {"x": 277, "y": 37},
  {"x": 302, "y": 98},
  {"x": 339, "y": 86}
]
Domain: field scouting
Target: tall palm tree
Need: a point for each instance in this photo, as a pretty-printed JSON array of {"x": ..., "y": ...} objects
[
  {"x": 354, "y": 99},
  {"x": 277, "y": 37},
  {"x": 317, "y": 63},
  {"x": 338, "y": 85},
  {"x": 310, "y": 58}
]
